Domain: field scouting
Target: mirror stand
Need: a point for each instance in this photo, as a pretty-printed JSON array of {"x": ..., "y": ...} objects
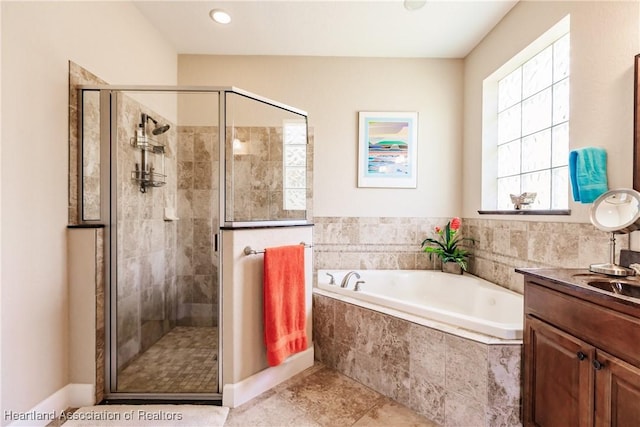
[
  {"x": 616, "y": 212},
  {"x": 610, "y": 268}
]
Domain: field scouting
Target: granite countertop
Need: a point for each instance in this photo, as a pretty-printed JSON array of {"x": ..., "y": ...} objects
[{"x": 575, "y": 282}]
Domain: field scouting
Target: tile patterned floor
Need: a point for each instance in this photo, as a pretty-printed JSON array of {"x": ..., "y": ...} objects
[
  {"x": 322, "y": 397},
  {"x": 185, "y": 360}
]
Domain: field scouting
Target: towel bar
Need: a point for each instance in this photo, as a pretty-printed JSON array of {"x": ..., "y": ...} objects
[{"x": 248, "y": 250}]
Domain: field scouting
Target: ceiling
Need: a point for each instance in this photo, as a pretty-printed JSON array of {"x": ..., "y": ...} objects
[{"x": 367, "y": 28}]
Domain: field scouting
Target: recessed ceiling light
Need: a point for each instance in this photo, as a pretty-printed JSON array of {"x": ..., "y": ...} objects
[
  {"x": 414, "y": 4},
  {"x": 220, "y": 16}
]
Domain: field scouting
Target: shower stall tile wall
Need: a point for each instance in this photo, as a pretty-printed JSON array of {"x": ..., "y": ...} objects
[
  {"x": 147, "y": 277},
  {"x": 80, "y": 76},
  {"x": 196, "y": 262},
  {"x": 258, "y": 172}
]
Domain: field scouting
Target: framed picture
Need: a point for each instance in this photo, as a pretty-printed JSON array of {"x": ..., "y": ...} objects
[{"x": 388, "y": 149}]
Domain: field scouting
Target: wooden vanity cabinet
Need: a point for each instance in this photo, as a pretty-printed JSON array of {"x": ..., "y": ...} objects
[
  {"x": 581, "y": 359},
  {"x": 559, "y": 378},
  {"x": 617, "y": 387}
]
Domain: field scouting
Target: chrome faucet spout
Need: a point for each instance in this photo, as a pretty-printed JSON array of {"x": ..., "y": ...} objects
[{"x": 345, "y": 280}]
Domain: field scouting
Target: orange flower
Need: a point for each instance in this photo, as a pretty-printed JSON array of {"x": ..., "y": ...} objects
[{"x": 438, "y": 229}]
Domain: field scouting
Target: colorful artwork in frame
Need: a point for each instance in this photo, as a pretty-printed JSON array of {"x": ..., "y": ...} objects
[{"x": 388, "y": 149}]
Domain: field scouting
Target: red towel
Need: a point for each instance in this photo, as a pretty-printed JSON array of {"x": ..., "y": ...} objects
[{"x": 285, "y": 318}]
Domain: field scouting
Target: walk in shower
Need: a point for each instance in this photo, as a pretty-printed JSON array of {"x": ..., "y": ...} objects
[{"x": 158, "y": 170}]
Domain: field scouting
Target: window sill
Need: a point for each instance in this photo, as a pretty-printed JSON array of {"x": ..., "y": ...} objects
[{"x": 527, "y": 212}]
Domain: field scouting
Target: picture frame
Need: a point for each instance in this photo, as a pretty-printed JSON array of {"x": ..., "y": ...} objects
[{"x": 387, "y": 149}]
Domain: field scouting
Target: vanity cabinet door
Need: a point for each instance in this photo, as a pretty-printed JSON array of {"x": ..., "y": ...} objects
[
  {"x": 617, "y": 392},
  {"x": 559, "y": 377}
]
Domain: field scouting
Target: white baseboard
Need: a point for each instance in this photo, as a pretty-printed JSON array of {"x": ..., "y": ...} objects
[
  {"x": 236, "y": 394},
  {"x": 81, "y": 395},
  {"x": 69, "y": 396}
]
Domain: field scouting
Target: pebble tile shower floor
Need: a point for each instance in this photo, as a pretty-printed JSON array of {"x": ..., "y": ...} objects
[{"x": 185, "y": 360}]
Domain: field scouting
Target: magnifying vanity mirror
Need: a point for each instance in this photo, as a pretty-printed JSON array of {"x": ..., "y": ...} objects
[{"x": 616, "y": 212}]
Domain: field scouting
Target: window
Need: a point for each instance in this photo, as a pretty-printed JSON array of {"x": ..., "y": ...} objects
[
  {"x": 530, "y": 140},
  {"x": 295, "y": 164}
]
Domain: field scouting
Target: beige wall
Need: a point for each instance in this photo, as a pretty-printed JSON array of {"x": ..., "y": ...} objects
[
  {"x": 243, "y": 350},
  {"x": 604, "y": 40},
  {"x": 332, "y": 91},
  {"x": 112, "y": 40}
]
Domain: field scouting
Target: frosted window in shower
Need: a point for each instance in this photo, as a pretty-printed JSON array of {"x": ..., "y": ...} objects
[{"x": 295, "y": 164}]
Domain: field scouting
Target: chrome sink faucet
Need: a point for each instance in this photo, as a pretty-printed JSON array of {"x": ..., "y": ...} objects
[{"x": 345, "y": 280}]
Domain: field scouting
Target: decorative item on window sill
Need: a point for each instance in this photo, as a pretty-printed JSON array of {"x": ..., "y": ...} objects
[
  {"x": 523, "y": 201},
  {"x": 446, "y": 246},
  {"x": 146, "y": 173}
]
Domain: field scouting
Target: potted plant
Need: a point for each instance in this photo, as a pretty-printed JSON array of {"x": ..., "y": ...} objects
[{"x": 446, "y": 246}]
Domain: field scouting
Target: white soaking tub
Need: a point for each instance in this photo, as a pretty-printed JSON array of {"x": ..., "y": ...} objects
[{"x": 461, "y": 301}]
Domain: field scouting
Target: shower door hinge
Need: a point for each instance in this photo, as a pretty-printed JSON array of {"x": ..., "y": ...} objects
[{"x": 215, "y": 242}]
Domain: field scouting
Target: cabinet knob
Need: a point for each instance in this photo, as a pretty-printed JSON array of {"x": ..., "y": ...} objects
[
  {"x": 597, "y": 365},
  {"x": 581, "y": 355}
]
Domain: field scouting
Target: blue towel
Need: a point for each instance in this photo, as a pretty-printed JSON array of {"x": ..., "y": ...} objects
[{"x": 588, "y": 172}]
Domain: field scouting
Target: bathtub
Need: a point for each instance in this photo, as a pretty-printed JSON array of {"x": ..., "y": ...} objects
[{"x": 461, "y": 301}]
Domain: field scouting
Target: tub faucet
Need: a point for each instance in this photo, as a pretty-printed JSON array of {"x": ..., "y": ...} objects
[
  {"x": 345, "y": 280},
  {"x": 332, "y": 280}
]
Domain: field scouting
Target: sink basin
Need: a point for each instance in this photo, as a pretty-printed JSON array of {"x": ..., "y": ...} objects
[{"x": 617, "y": 286}]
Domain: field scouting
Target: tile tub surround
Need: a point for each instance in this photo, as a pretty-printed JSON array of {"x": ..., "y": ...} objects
[
  {"x": 448, "y": 379},
  {"x": 501, "y": 245},
  {"x": 372, "y": 243}
]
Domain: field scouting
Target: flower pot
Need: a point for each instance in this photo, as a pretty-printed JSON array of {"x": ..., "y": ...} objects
[{"x": 451, "y": 267}]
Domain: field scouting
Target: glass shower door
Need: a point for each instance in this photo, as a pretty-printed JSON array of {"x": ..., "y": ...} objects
[{"x": 164, "y": 219}]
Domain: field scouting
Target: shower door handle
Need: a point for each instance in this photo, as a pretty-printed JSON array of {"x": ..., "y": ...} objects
[{"x": 215, "y": 242}]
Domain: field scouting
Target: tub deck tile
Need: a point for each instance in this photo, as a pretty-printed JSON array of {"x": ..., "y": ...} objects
[{"x": 449, "y": 379}]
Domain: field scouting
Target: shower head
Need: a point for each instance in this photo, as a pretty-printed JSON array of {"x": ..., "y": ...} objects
[{"x": 157, "y": 129}]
